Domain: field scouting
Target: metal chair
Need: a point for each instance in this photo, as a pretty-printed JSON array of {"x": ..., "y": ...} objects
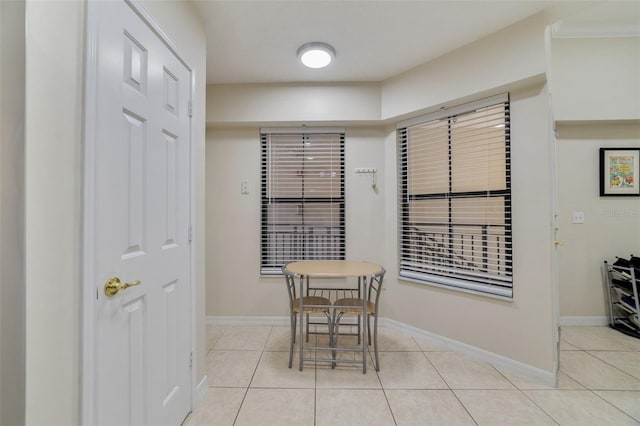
[
  {"x": 310, "y": 305},
  {"x": 355, "y": 306}
]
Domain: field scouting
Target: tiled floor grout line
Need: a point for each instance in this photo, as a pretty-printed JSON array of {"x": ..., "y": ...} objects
[
  {"x": 590, "y": 389},
  {"x": 557, "y": 389},
  {"x": 384, "y": 392},
  {"x": 611, "y": 365},
  {"x": 455, "y": 395},
  {"x": 569, "y": 375},
  {"x": 246, "y": 391},
  {"x": 436, "y": 370},
  {"x": 612, "y": 405},
  {"x": 449, "y": 389},
  {"x": 252, "y": 375},
  {"x": 522, "y": 391},
  {"x": 572, "y": 378}
]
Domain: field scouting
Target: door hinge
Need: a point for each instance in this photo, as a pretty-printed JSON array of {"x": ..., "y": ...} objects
[
  {"x": 191, "y": 360},
  {"x": 189, "y": 234},
  {"x": 190, "y": 109}
]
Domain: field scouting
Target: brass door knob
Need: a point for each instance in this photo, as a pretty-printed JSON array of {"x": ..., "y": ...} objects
[{"x": 114, "y": 285}]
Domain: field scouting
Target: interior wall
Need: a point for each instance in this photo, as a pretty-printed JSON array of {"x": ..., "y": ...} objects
[
  {"x": 522, "y": 329},
  {"x": 511, "y": 55},
  {"x": 611, "y": 226},
  {"x": 234, "y": 284},
  {"x": 237, "y": 104},
  {"x": 55, "y": 54},
  {"x": 54, "y": 74},
  {"x": 12, "y": 280}
]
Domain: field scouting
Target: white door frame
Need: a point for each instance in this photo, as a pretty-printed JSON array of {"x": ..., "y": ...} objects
[
  {"x": 89, "y": 286},
  {"x": 555, "y": 255},
  {"x": 555, "y": 251}
]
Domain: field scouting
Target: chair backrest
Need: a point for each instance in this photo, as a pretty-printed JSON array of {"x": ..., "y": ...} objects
[
  {"x": 375, "y": 287},
  {"x": 373, "y": 295}
]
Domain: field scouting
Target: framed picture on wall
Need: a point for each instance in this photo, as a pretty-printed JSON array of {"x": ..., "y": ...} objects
[{"x": 620, "y": 172}]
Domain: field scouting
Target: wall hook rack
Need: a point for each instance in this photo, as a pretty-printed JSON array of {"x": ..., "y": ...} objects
[{"x": 369, "y": 171}]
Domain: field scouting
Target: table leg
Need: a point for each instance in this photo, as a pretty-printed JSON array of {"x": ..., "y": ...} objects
[
  {"x": 365, "y": 324},
  {"x": 301, "y": 341}
]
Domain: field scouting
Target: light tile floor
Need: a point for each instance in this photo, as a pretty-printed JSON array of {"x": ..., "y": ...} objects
[{"x": 418, "y": 384}]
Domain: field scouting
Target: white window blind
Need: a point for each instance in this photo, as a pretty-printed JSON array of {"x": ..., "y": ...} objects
[
  {"x": 302, "y": 198},
  {"x": 455, "y": 190}
]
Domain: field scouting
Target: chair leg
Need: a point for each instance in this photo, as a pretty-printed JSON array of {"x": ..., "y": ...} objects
[
  {"x": 301, "y": 343},
  {"x": 369, "y": 328},
  {"x": 307, "y": 328},
  {"x": 329, "y": 326},
  {"x": 336, "y": 333},
  {"x": 375, "y": 342},
  {"x": 294, "y": 325},
  {"x": 292, "y": 338}
]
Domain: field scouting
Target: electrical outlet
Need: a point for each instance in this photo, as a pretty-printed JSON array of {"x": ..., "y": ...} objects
[{"x": 244, "y": 187}]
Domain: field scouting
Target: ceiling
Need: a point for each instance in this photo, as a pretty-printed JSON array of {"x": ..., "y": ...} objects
[{"x": 256, "y": 41}]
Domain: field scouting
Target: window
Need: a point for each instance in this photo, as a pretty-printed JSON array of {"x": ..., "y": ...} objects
[
  {"x": 455, "y": 198},
  {"x": 302, "y": 197}
]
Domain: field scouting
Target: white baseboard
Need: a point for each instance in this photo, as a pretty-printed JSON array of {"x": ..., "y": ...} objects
[
  {"x": 234, "y": 320},
  {"x": 547, "y": 378},
  {"x": 584, "y": 321},
  {"x": 201, "y": 389}
]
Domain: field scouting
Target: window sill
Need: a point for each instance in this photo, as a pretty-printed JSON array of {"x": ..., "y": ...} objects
[{"x": 402, "y": 280}]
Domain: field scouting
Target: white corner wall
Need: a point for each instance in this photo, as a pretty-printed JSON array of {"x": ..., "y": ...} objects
[
  {"x": 54, "y": 177},
  {"x": 54, "y": 74},
  {"x": 12, "y": 289}
]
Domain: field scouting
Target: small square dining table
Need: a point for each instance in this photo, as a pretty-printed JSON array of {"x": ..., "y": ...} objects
[{"x": 306, "y": 269}]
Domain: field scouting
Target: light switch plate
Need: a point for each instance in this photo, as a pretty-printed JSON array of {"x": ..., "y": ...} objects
[{"x": 577, "y": 217}]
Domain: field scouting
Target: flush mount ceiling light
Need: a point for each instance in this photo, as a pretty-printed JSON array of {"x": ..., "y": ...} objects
[{"x": 316, "y": 54}]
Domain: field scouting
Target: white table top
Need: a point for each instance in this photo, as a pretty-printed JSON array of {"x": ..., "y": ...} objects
[{"x": 333, "y": 268}]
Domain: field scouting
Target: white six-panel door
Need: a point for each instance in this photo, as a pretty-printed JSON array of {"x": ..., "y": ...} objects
[{"x": 142, "y": 210}]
